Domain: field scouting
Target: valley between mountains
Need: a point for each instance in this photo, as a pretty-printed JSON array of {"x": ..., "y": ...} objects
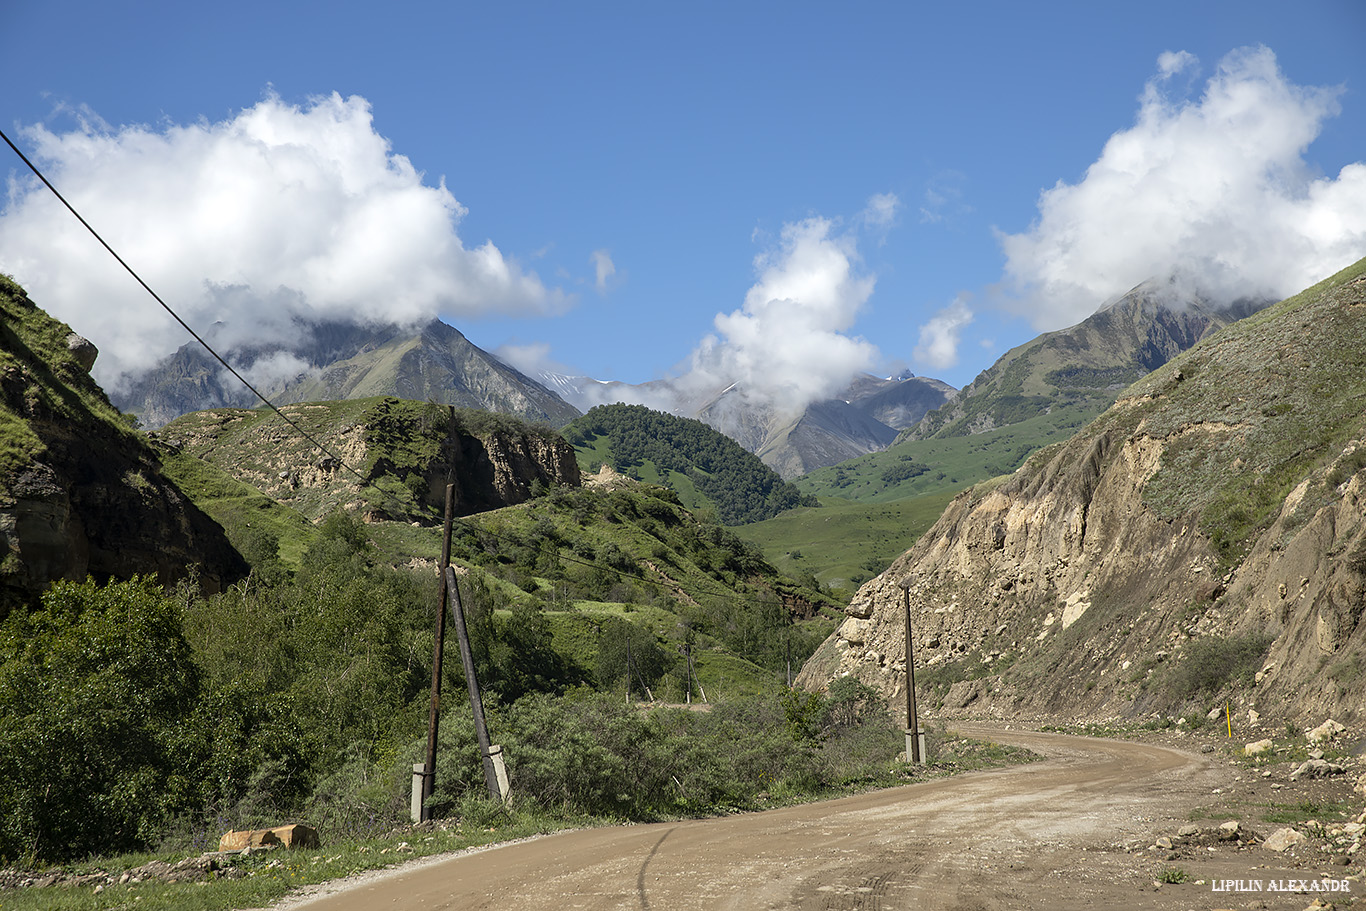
[{"x": 1150, "y": 526}]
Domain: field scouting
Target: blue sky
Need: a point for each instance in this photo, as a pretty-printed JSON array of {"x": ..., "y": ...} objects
[{"x": 784, "y": 192}]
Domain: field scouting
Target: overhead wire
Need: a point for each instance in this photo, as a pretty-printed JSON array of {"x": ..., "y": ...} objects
[
  {"x": 167, "y": 307},
  {"x": 322, "y": 447}
]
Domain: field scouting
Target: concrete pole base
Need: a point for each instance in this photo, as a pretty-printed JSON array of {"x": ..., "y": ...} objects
[
  {"x": 915, "y": 747},
  {"x": 419, "y": 790},
  {"x": 500, "y": 770}
]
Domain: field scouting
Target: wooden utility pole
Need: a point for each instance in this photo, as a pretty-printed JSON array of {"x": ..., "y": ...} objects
[
  {"x": 915, "y": 746},
  {"x": 472, "y": 682},
  {"x": 438, "y": 650}
]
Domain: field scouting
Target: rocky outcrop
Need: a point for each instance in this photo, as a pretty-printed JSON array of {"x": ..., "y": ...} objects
[
  {"x": 1223, "y": 496},
  {"x": 502, "y": 469},
  {"x": 80, "y": 492},
  {"x": 385, "y": 457}
]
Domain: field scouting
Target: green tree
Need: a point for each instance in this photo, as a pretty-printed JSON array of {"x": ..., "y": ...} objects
[
  {"x": 620, "y": 640},
  {"x": 97, "y": 694}
]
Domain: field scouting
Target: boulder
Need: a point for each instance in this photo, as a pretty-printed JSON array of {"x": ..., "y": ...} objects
[
  {"x": 83, "y": 350},
  {"x": 293, "y": 835},
  {"x": 1258, "y": 747},
  {"x": 247, "y": 838},
  {"x": 1325, "y": 732},
  {"x": 1316, "y": 768},
  {"x": 1282, "y": 839}
]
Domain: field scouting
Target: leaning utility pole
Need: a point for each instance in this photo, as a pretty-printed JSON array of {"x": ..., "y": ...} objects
[
  {"x": 472, "y": 682},
  {"x": 915, "y": 737}
]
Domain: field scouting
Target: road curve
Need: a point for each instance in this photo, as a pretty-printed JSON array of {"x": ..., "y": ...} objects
[{"x": 1052, "y": 834}]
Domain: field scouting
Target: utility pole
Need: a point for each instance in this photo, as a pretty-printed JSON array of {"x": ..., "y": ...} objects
[
  {"x": 472, "y": 682},
  {"x": 428, "y": 784},
  {"x": 915, "y": 737}
]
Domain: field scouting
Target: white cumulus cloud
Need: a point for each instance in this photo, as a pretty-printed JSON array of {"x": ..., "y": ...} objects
[
  {"x": 788, "y": 344},
  {"x": 280, "y": 212},
  {"x": 940, "y": 337},
  {"x": 1214, "y": 190}
]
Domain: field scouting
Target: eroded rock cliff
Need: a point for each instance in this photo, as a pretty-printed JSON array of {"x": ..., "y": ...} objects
[
  {"x": 385, "y": 457},
  {"x": 1218, "y": 505}
]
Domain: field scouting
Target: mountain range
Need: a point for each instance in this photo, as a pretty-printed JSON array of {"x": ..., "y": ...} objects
[
  {"x": 432, "y": 362},
  {"x": 436, "y": 362},
  {"x": 1038, "y": 393}
]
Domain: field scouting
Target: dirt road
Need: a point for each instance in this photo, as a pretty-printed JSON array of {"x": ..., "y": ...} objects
[{"x": 1070, "y": 832}]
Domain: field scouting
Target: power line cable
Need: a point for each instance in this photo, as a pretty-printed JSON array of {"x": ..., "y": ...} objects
[{"x": 176, "y": 316}]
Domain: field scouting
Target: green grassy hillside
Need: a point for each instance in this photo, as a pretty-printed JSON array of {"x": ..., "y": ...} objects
[
  {"x": 843, "y": 544},
  {"x": 631, "y": 552},
  {"x": 942, "y": 466}
]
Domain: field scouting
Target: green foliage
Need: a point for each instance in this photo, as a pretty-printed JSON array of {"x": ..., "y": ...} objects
[
  {"x": 108, "y": 732},
  {"x": 602, "y": 757},
  {"x": 347, "y": 641},
  {"x": 850, "y": 700},
  {"x": 94, "y": 689},
  {"x": 631, "y": 651},
  {"x": 742, "y": 488},
  {"x": 639, "y": 548},
  {"x": 903, "y": 470},
  {"x": 1173, "y": 875},
  {"x": 1211, "y": 663},
  {"x": 804, "y": 712}
]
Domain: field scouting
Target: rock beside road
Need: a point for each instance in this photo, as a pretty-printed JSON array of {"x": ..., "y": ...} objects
[
  {"x": 1317, "y": 768},
  {"x": 1282, "y": 839}
]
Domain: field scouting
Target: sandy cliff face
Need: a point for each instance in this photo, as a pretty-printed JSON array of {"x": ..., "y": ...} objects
[
  {"x": 1062, "y": 548},
  {"x": 1222, "y": 497},
  {"x": 499, "y": 469}
]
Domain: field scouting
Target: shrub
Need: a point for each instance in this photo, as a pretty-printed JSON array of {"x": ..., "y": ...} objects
[
  {"x": 1211, "y": 663},
  {"x": 97, "y": 696}
]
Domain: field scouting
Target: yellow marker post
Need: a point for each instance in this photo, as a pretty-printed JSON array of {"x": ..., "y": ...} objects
[{"x": 1229, "y": 718}]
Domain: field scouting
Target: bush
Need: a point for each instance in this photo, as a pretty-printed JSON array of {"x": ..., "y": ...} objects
[
  {"x": 97, "y": 703},
  {"x": 1211, "y": 663}
]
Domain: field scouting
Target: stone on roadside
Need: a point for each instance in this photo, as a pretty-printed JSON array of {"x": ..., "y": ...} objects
[
  {"x": 296, "y": 835},
  {"x": 293, "y": 835},
  {"x": 1316, "y": 768},
  {"x": 1282, "y": 839},
  {"x": 1325, "y": 732},
  {"x": 1258, "y": 747},
  {"x": 247, "y": 838}
]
